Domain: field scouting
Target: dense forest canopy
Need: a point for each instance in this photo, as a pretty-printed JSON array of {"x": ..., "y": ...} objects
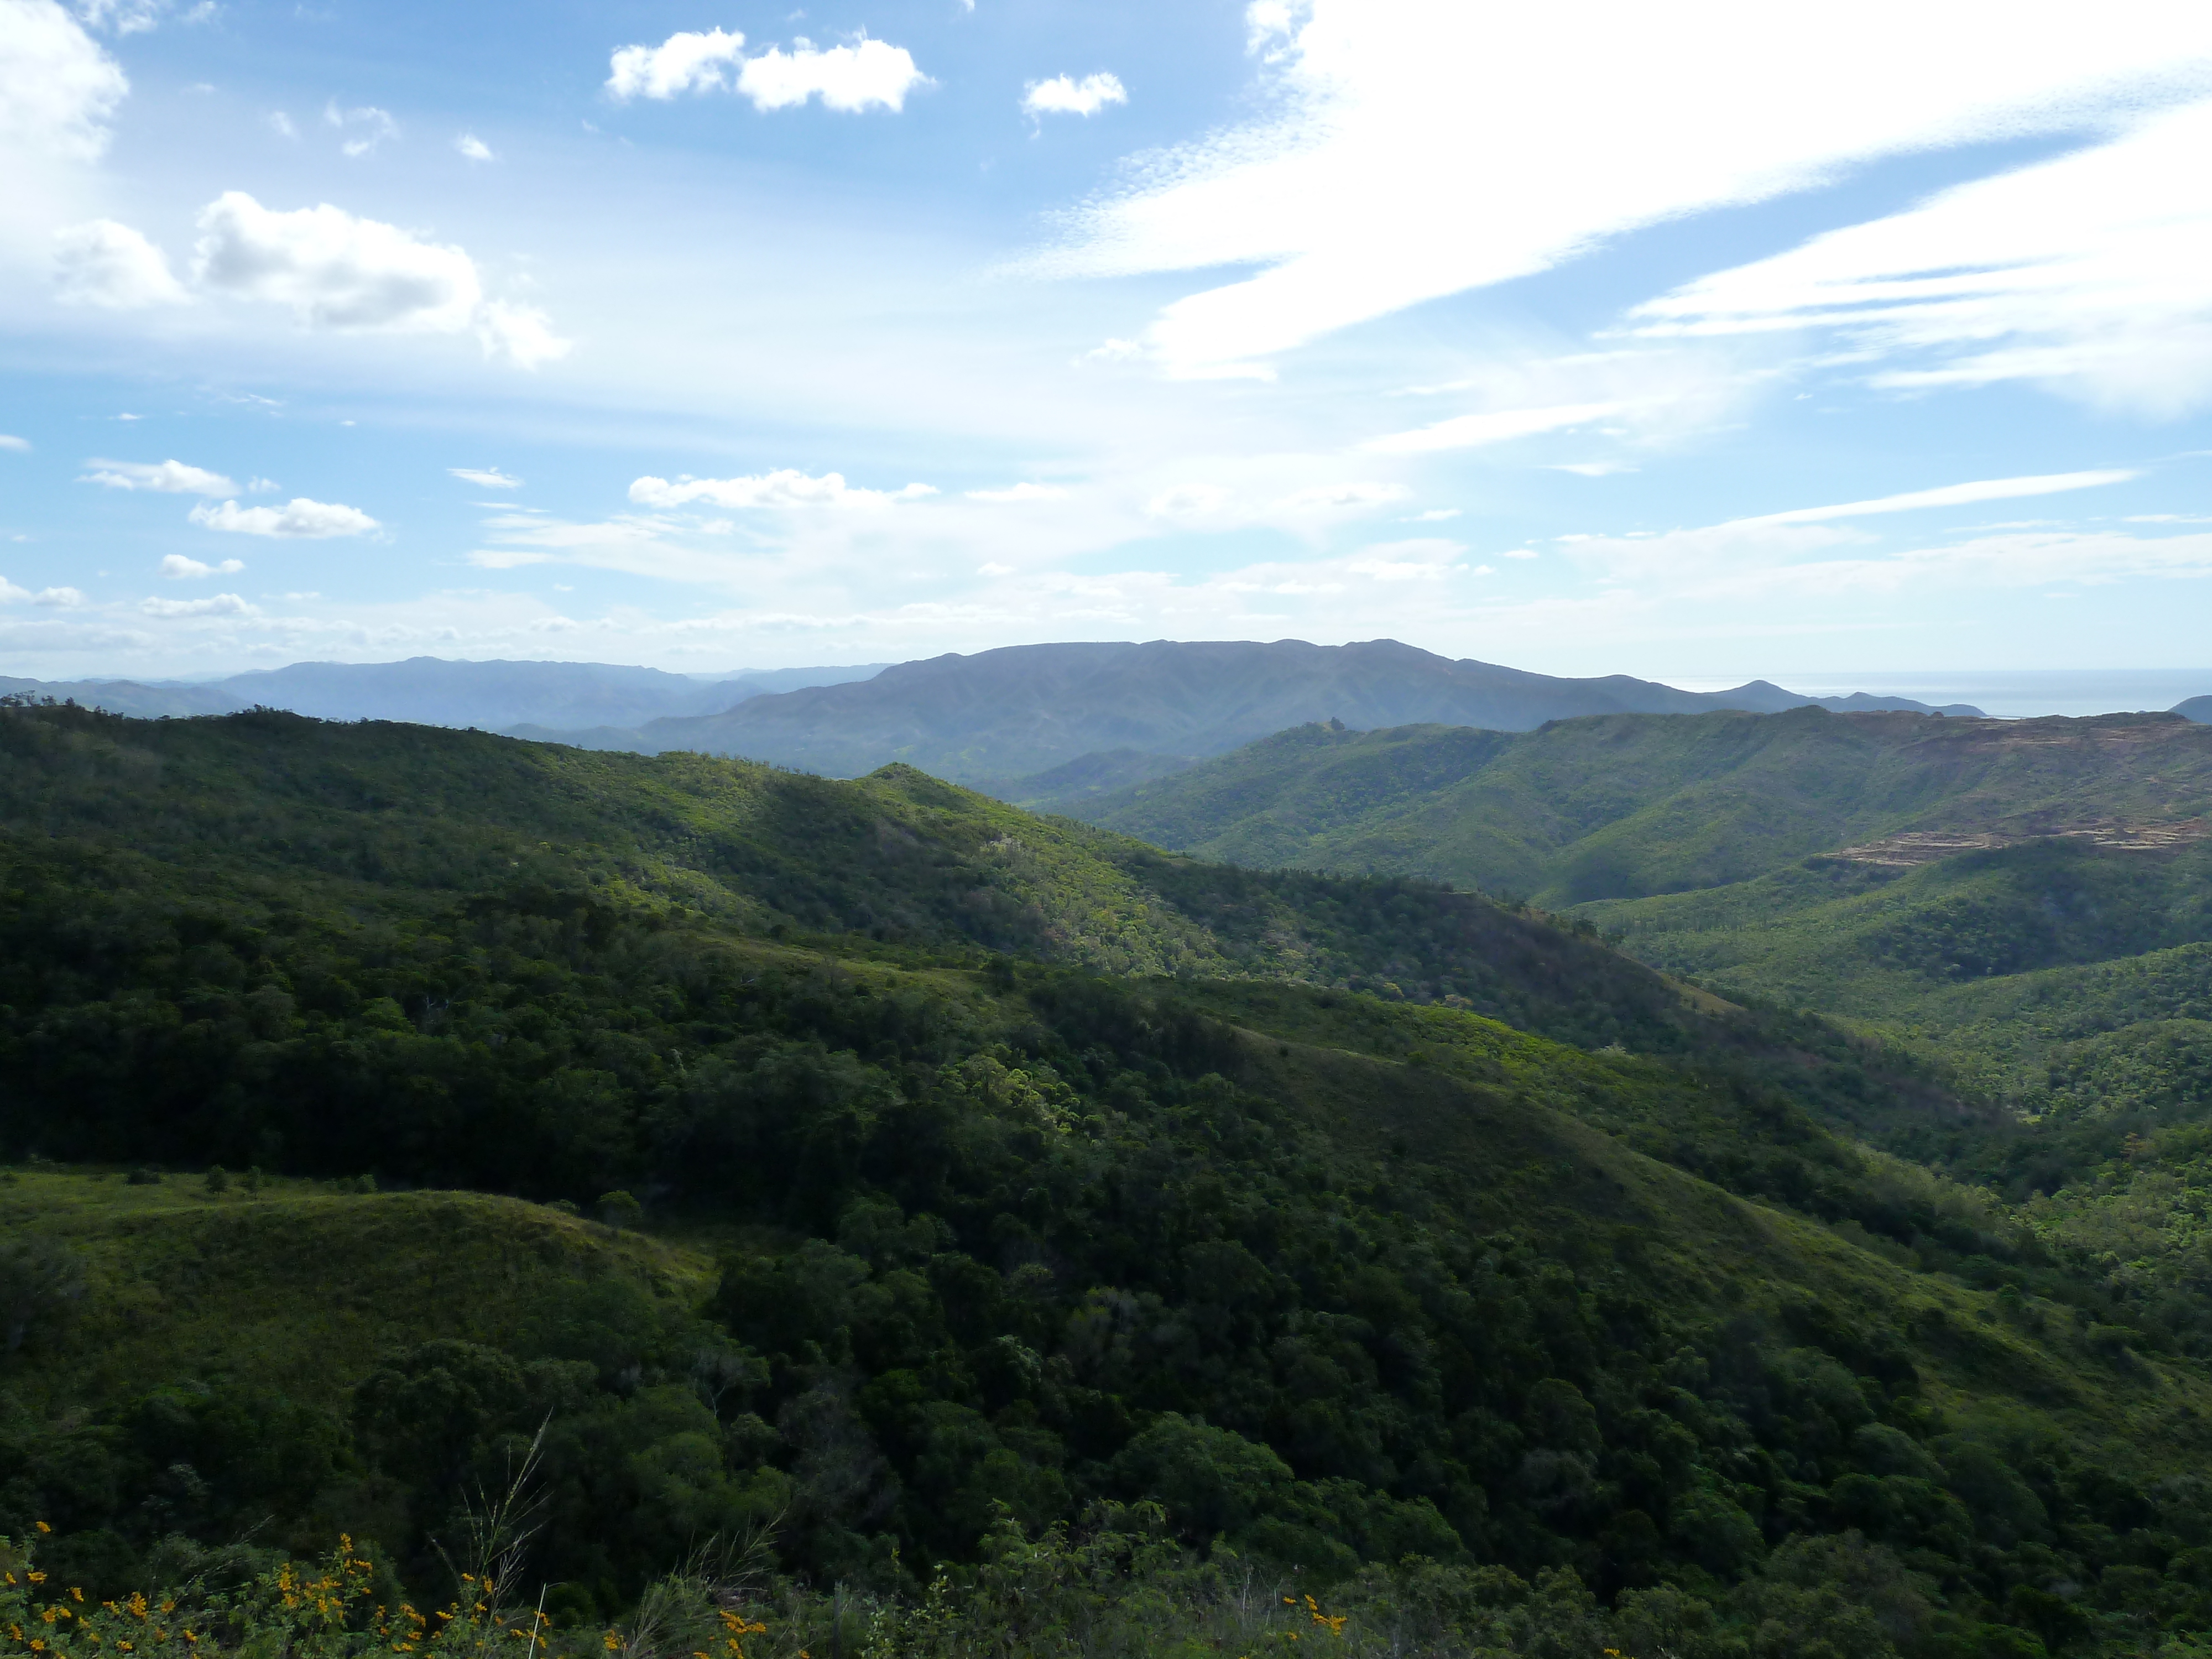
[{"x": 875, "y": 1167}]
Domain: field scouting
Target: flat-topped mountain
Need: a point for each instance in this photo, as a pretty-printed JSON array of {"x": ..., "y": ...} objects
[{"x": 1002, "y": 713}]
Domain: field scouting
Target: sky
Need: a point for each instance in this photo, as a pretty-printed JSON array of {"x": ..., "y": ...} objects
[{"x": 1834, "y": 345}]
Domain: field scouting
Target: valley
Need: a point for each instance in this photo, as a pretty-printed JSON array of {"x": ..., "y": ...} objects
[{"x": 875, "y": 1167}]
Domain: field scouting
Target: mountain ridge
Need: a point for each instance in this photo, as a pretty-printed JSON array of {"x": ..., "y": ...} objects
[{"x": 1025, "y": 709}]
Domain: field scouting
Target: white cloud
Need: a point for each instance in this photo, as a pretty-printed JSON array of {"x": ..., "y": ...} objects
[
  {"x": 298, "y": 519},
  {"x": 685, "y": 61},
  {"x": 1020, "y": 492},
  {"x": 112, "y": 266},
  {"x": 523, "y": 335},
  {"x": 1519, "y": 553},
  {"x": 868, "y": 74},
  {"x": 281, "y": 125},
  {"x": 223, "y": 605},
  {"x": 1327, "y": 498},
  {"x": 994, "y": 570},
  {"x": 1191, "y": 501},
  {"x": 1958, "y": 495},
  {"x": 338, "y": 271},
  {"x": 1410, "y": 151},
  {"x": 474, "y": 149},
  {"x": 370, "y": 125},
  {"x": 169, "y": 478},
  {"x": 865, "y": 74},
  {"x": 786, "y": 488},
  {"x": 1064, "y": 96},
  {"x": 63, "y": 598},
  {"x": 1497, "y": 427},
  {"x": 178, "y": 568},
  {"x": 130, "y": 17},
  {"x": 2090, "y": 274},
  {"x": 1592, "y": 469},
  {"x": 8, "y": 441},
  {"x": 1434, "y": 515},
  {"x": 485, "y": 477},
  {"x": 58, "y": 87},
  {"x": 1425, "y": 558}
]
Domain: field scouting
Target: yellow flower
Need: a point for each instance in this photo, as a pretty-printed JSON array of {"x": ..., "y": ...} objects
[
  {"x": 75, "y": 1592},
  {"x": 42, "y": 1526}
]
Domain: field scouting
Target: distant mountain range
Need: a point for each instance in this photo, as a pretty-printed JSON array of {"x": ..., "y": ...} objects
[
  {"x": 1064, "y": 722},
  {"x": 432, "y": 691},
  {"x": 1118, "y": 708}
]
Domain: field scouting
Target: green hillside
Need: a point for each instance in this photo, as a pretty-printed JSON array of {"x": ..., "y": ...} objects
[
  {"x": 993, "y": 1169},
  {"x": 1628, "y": 805}
]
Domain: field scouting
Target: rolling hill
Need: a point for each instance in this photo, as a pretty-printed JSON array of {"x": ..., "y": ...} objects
[{"x": 1348, "y": 1219}]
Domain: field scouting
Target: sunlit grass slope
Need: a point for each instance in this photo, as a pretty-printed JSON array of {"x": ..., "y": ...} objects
[{"x": 298, "y": 1289}]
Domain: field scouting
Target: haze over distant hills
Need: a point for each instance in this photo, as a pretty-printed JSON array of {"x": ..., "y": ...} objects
[
  {"x": 998, "y": 714},
  {"x": 1063, "y": 722},
  {"x": 433, "y": 691}
]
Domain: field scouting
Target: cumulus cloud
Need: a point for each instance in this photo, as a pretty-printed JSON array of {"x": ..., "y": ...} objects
[
  {"x": 485, "y": 477},
  {"x": 1064, "y": 96},
  {"x": 1020, "y": 492},
  {"x": 786, "y": 488},
  {"x": 169, "y": 478},
  {"x": 474, "y": 149},
  {"x": 222, "y": 604},
  {"x": 58, "y": 87},
  {"x": 8, "y": 441},
  {"x": 112, "y": 266},
  {"x": 299, "y": 518},
  {"x": 2090, "y": 274},
  {"x": 1410, "y": 151},
  {"x": 339, "y": 271},
  {"x": 178, "y": 568},
  {"x": 865, "y": 74},
  {"x": 366, "y": 127},
  {"x": 55, "y": 597},
  {"x": 685, "y": 61}
]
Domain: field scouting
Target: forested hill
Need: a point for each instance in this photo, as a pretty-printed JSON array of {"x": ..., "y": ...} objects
[
  {"x": 1626, "y": 805},
  {"x": 993, "y": 1169}
]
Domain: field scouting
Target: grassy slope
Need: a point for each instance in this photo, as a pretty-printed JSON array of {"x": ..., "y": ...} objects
[{"x": 298, "y": 1289}]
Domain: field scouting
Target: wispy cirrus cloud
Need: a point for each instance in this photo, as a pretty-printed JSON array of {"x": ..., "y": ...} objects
[
  {"x": 786, "y": 488},
  {"x": 2090, "y": 274},
  {"x": 1334, "y": 190}
]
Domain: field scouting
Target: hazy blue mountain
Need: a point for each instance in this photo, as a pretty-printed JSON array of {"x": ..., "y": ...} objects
[
  {"x": 2195, "y": 708},
  {"x": 1006, "y": 713},
  {"x": 495, "y": 695},
  {"x": 128, "y": 696}
]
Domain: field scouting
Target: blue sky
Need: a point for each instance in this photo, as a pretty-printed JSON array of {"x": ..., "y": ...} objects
[{"x": 1697, "y": 342}]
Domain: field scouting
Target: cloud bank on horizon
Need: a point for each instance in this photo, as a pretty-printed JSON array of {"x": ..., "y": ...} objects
[{"x": 1724, "y": 340}]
